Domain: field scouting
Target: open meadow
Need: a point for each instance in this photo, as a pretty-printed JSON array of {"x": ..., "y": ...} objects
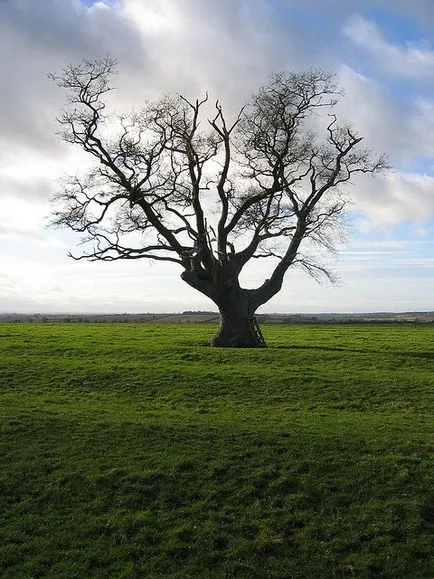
[{"x": 135, "y": 451}]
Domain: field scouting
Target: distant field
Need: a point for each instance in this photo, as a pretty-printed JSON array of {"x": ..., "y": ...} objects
[
  {"x": 200, "y": 317},
  {"x": 135, "y": 451}
]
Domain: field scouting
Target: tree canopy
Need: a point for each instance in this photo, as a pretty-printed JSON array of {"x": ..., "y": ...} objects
[{"x": 178, "y": 181}]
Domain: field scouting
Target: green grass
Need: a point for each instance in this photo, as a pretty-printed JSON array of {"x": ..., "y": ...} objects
[{"x": 135, "y": 451}]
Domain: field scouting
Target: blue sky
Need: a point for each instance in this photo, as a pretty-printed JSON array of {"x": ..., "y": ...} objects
[{"x": 383, "y": 55}]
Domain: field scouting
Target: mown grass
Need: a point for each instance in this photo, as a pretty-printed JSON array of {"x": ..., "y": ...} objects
[{"x": 136, "y": 451}]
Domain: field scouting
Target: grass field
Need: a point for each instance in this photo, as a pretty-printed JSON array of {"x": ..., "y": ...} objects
[{"x": 135, "y": 451}]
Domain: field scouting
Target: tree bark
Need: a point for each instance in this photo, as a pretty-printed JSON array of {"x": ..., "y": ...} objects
[
  {"x": 238, "y": 327},
  {"x": 236, "y": 331}
]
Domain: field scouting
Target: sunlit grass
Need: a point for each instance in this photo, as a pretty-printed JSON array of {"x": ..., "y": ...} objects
[{"x": 136, "y": 451}]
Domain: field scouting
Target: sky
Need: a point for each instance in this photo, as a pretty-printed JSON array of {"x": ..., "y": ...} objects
[{"x": 382, "y": 53}]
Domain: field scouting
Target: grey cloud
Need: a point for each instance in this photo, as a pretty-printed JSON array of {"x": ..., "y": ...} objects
[
  {"x": 196, "y": 45},
  {"x": 71, "y": 29},
  {"x": 422, "y": 10},
  {"x": 27, "y": 235},
  {"x": 25, "y": 188},
  {"x": 225, "y": 47},
  {"x": 40, "y": 37}
]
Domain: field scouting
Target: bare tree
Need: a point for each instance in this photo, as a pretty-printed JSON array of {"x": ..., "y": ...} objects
[{"x": 211, "y": 199}]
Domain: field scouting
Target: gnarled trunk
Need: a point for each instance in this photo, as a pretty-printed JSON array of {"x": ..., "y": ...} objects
[
  {"x": 238, "y": 332},
  {"x": 238, "y": 326},
  {"x": 237, "y": 306}
]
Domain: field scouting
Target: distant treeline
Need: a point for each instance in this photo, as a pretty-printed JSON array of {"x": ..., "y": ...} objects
[{"x": 201, "y": 316}]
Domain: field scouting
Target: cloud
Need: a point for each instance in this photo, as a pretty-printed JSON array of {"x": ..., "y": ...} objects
[
  {"x": 403, "y": 128},
  {"x": 190, "y": 46},
  {"x": 12, "y": 232},
  {"x": 32, "y": 284},
  {"x": 40, "y": 37},
  {"x": 187, "y": 46},
  {"x": 412, "y": 60},
  {"x": 224, "y": 47},
  {"x": 25, "y": 187},
  {"x": 395, "y": 198},
  {"x": 17, "y": 237},
  {"x": 69, "y": 28},
  {"x": 420, "y": 12}
]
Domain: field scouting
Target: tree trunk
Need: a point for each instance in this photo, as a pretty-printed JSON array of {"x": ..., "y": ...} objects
[
  {"x": 238, "y": 326},
  {"x": 237, "y": 306}
]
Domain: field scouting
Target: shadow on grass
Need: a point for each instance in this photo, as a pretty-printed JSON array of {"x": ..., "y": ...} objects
[{"x": 421, "y": 355}]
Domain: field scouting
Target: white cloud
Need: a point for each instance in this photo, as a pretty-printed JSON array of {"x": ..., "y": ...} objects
[
  {"x": 395, "y": 198},
  {"x": 15, "y": 233},
  {"x": 384, "y": 245},
  {"x": 412, "y": 60},
  {"x": 24, "y": 187},
  {"x": 404, "y": 128},
  {"x": 194, "y": 46}
]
